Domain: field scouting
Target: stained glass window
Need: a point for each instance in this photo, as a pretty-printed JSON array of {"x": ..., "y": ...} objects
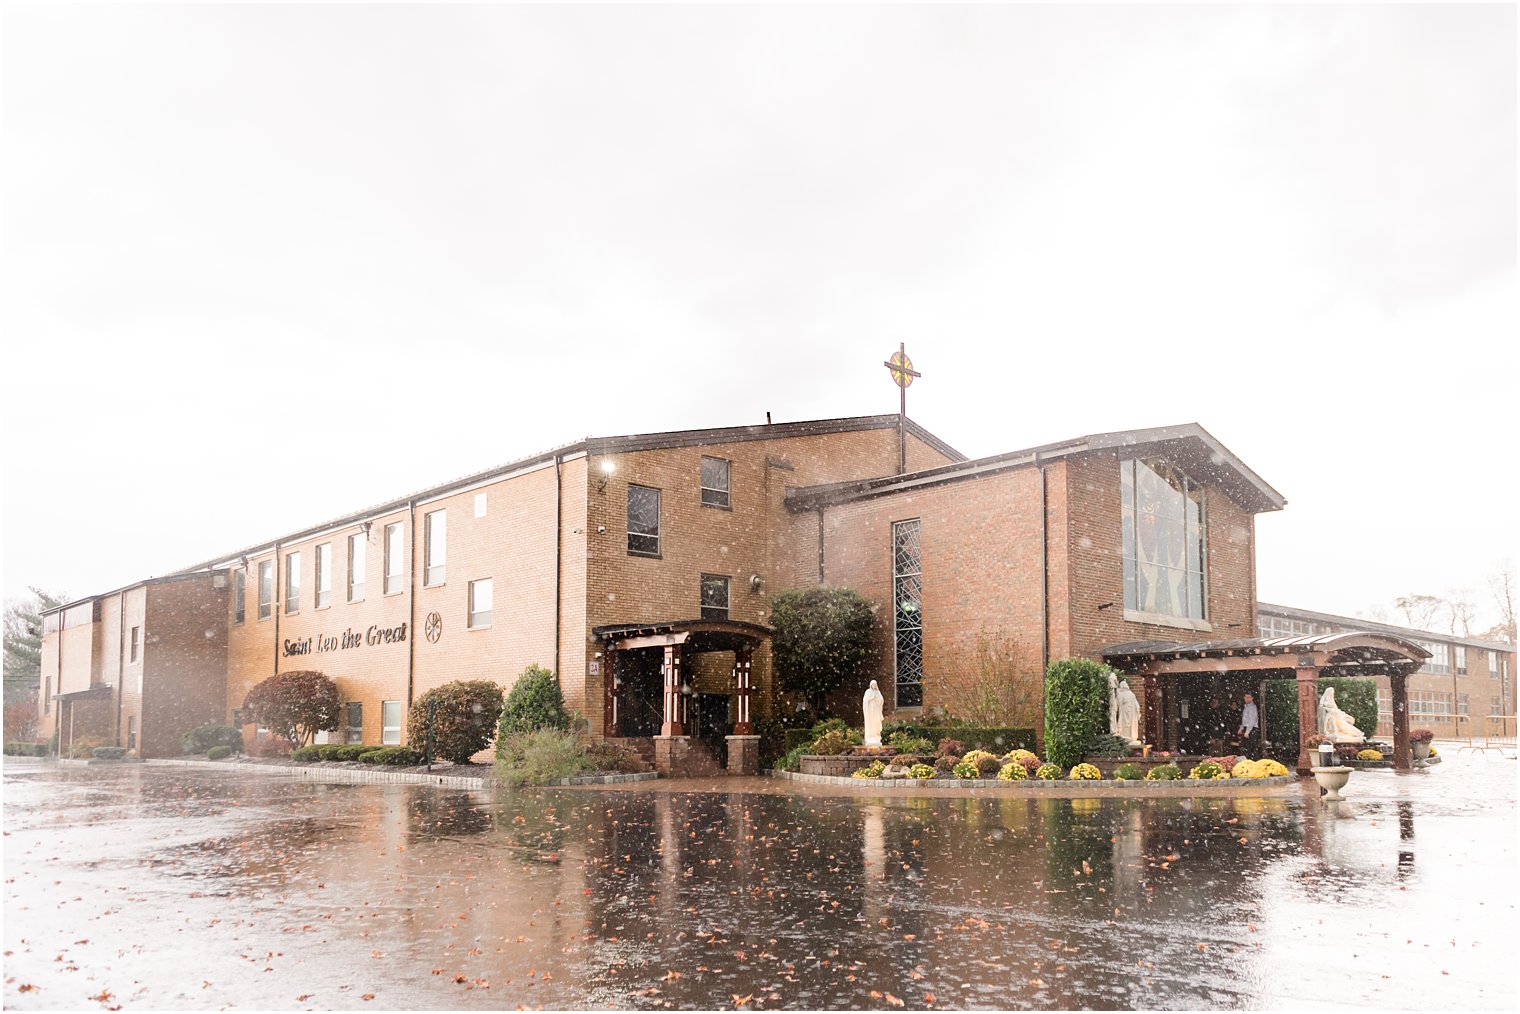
[
  {"x": 908, "y": 615},
  {"x": 1164, "y": 540},
  {"x": 643, "y": 521}
]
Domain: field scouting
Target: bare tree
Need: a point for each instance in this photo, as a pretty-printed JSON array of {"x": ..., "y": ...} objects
[
  {"x": 1502, "y": 584},
  {"x": 1421, "y": 611},
  {"x": 1461, "y": 610},
  {"x": 1003, "y": 689}
]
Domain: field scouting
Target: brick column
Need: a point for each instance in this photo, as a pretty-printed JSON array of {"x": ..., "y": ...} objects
[
  {"x": 743, "y": 724},
  {"x": 1308, "y": 713},
  {"x": 674, "y": 707},
  {"x": 612, "y": 694},
  {"x": 1398, "y": 688}
]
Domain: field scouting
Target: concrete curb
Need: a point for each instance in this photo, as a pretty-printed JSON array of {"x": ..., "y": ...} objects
[
  {"x": 1108, "y": 786},
  {"x": 357, "y": 776}
]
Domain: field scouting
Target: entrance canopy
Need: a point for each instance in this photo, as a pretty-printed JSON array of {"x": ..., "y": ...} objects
[
  {"x": 674, "y": 640},
  {"x": 1164, "y": 666}
]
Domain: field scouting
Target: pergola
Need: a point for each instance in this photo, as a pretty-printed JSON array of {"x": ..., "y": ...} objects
[{"x": 1162, "y": 665}]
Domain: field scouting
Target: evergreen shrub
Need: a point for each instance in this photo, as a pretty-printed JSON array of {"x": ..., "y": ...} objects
[
  {"x": 465, "y": 716},
  {"x": 535, "y": 702},
  {"x": 203, "y": 738},
  {"x": 1076, "y": 708},
  {"x": 219, "y": 752}
]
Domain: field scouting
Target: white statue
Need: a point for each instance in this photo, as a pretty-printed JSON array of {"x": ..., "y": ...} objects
[
  {"x": 1335, "y": 723},
  {"x": 1123, "y": 711},
  {"x": 871, "y": 705}
]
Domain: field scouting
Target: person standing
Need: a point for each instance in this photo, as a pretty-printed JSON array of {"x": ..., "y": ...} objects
[{"x": 1249, "y": 720}]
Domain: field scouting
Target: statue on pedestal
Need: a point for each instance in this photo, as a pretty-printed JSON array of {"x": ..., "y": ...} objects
[
  {"x": 871, "y": 705},
  {"x": 1123, "y": 710},
  {"x": 1335, "y": 723}
]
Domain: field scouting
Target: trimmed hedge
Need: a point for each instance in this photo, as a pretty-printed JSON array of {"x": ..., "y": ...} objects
[
  {"x": 1357, "y": 698},
  {"x": 202, "y": 739},
  {"x": 219, "y": 752},
  {"x": 27, "y": 749},
  {"x": 998, "y": 739},
  {"x": 394, "y": 756},
  {"x": 1076, "y": 708},
  {"x": 465, "y": 713},
  {"x": 536, "y": 702},
  {"x": 109, "y": 752}
]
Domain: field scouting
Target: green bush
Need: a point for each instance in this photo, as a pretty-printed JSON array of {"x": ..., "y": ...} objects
[
  {"x": 465, "y": 714},
  {"x": 998, "y": 739},
  {"x": 905, "y": 742},
  {"x": 1356, "y": 697},
  {"x": 1076, "y": 708},
  {"x": 821, "y": 639},
  {"x": 307, "y": 753},
  {"x": 1280, "y": 715},
  {"x": 219, "y": 752},
  {"x": 792, "y": 759},
  {"x": 349, "y": 751},
  {"x": 834, "y": 742},
  {"x": 84, "y": 747},
  {"x": 330, "y": 752},
  {"x": 202, "y": 739},
  {"x": 543, "y": 755},
  {"x": 109, "y": 752},
  {"x": 26, "y": 749},
  {"x": 1164, "y": 773},
  {"x": 393, "y": 756},
  {"x": 1109, "y": 745},
  {"x": 536, "y": 702},
  {"x": 1128, "y": 772}
]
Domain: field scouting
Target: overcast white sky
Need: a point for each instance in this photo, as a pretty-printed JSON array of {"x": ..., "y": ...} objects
[{"x": 266, "y": 265}]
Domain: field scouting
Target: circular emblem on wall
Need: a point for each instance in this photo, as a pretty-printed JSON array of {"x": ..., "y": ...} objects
[{"x": 432, "y": 627}]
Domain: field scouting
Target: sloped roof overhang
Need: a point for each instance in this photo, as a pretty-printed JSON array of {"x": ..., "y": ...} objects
[
  {"x": 694, "y": 635},
  {"x": 1351, "y": 653},
  {"x": 1190, "y": 445}
]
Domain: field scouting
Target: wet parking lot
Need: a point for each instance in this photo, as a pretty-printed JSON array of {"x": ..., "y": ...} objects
[{"x": 147, "y": 887}]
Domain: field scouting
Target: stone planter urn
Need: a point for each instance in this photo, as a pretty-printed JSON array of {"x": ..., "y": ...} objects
[
  {"x": 1421, "y": 749},
  {"x": 1332, "y": 780}
]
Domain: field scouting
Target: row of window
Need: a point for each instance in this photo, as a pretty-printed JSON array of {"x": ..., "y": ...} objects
[
  {"x": 1432, "y": 704},
  {"x": 393, "y": 542},
  {"x": 644, "y": 506}
]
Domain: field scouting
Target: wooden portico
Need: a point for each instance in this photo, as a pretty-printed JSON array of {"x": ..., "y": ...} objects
[
  {"x": 1163, "y": 668},
  {"x": 673, "y": 643}
]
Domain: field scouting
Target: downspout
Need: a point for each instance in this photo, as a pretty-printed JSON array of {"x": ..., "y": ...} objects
[
  {"x": 276, "y": 602},
  {"x": 1044, "y": 576},
  {"x": 121, "y": 674},
  {"x": 559, "y": 555},
  {"x": 411, "y": 595}
]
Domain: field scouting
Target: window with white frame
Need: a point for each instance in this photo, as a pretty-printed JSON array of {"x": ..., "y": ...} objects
[
  {"x": 293, "y": 582},
  {"x": 643, "y": 521},
  {"x": 395, "y": 555},
  {"x": 354, "y": 722},
  {"x": 135, "y": 644},
  {"x": 266, "y": 589},
  {"x": 131, "y": 732},
  {"x": 322, "y": 593},
  {"x": 435, "y": 547},
  {"x": 390, "y": 723},
  {"x": 1440, "y": 658},
  {"x": 357, "y": 544},
  {"x": 239, "y": 595},
  {"x": 1493, "y": 665},
  {"x": 714, "y": 482},
  {"x": 1460, "y": 658},
  {"x": 480, "y": 505},
  {"x": 480, "y": 603},
  {"x": 908, "y": 615},
  {"x": 1164, "y": 538},
  {"x": 714, "y": 597},
  {"x": 1461, "y": 704}
]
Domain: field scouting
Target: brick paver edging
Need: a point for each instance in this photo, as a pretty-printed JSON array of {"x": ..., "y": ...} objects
[
  {"x": 357, "y": 776},
  {"x": 1108, "y": 786}
]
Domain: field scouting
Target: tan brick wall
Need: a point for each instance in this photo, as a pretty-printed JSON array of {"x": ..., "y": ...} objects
[
  {"x": 131, "y": 607},
  {"x": 77, "y": 658},
  {"x": 184, "y": 662}
]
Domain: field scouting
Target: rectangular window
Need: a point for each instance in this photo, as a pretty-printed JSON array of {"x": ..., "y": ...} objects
[
  {"x": 1462, "y": 704},
  {"x": 266, "y": 589},
  {"x": 239, "y": 595},
  {"x": 714, "y": 482},
  {"x": 714, "y": 597},
  {"x": 480, "y": 604},
  {"x": 1460, "y": 659},
  {"x": 393, "y": 558},
  {"x": 1495, "y": 706},
  {"x": 322, "y": 595},
  {"x": 292, "y": 582},
  {"x": 136, "y": 641},
  {"x": 1493, "y": 665},
  {"x": 131, "y": 732},
  {"x": 353, "y": 722},
  {"x": 435, "y": 547},
  {"x": 643, "y": 521},
  {"x": 480, "y": 505},
  {"x": 1164, "y": 540},
  {"x": 1439, "y": 660},
  {"x": 357, "y": 544},
  {"x": 390, "y": 723},
  {"x": 907, "y": 610},
  {"x": 47, "y": 696}
]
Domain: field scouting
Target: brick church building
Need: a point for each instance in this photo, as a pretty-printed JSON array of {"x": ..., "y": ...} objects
[{"x": 640, "y": 569}]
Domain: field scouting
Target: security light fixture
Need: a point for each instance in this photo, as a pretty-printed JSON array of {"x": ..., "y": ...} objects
[
  {"x": 755, "y": 582},
  {"x": 608, "y": 467}
]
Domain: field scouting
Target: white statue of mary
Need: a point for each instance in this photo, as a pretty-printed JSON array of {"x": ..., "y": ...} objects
[
  {"x": 1124, "y": 713},
  {"x": 871, "y": 706}
]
